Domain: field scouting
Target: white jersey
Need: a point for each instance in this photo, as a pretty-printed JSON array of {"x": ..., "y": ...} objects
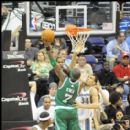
[
  {"x": 84, "y": 115},
  {"x": 84, "y": 97}
]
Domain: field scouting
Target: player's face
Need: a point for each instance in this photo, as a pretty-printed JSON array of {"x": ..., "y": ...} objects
[{"x": 91, "y": 80}]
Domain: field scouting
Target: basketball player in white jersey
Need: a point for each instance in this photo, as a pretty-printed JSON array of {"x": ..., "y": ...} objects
[
  {"x": 44, "y": 122},
  {"x": 90, "y": 97}
]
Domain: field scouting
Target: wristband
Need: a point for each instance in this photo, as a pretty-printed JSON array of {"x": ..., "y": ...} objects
[{"x": 53, "y": 62}]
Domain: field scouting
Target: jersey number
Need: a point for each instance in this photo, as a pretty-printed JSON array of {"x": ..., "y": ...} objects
[{"x": 67, "y": 97}]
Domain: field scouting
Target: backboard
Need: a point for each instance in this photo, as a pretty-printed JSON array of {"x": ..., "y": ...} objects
[{"x": 100, "y": 16}]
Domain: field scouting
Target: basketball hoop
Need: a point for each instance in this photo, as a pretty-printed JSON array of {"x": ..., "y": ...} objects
[{"x": 76, "y": 35}]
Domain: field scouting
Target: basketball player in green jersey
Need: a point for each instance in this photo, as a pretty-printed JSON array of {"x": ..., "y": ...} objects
[{"x": 66, "y": 117}]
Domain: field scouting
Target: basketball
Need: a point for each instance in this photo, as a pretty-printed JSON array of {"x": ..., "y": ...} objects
[{"x": 48, "y": 35}]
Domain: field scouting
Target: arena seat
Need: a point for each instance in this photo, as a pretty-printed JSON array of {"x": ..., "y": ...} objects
[
  {"x": 97, "y": 41},
  {"x": 91, "y": 59}
]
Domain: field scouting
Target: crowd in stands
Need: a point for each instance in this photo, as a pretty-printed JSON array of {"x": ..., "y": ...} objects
[{"x": 106, "y": 90}]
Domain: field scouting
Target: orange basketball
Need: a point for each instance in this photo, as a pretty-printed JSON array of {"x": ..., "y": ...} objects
[{"x": 48, "y": 35}]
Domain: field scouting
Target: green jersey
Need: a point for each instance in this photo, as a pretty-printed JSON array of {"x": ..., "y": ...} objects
[{"x": 67, "y": 93}]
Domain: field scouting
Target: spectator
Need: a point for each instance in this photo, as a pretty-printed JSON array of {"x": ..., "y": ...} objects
[
  {"x": 30, "y": 52},
  {"x": 122, "y": 72},
  {"x": 106, "y": 77},
  {"x": 52, "y": 91},
  {"x": 47, "y": 108},
  {"x": 128, "y": 37},
  {"x": 117, "y": 126},
  {"x": 39, "y": 44},
  {"x": 115, "y": 48},
  {"x": 116, "y": 102},
  {"x": 126, "y": 122},
  {"x": 120, "y": 89},
  {"x": 55, "y": 52},
  {"x": 63, "y": 53},
  {"x": 127, "y": 109},
  {"x": 60, "y": 43},
  {"x": 41, "y": 68},
  {"x": 119, "y": 115},
  {"x": 30, "y": 56},
  {"x": 84, "y": 67},
  {"x": 44, "y": 122}
]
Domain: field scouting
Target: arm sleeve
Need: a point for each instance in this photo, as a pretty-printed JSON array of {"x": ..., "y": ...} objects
[{"x": 109, "y": 49}]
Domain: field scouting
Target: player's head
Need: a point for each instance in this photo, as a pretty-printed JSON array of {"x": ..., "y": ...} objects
[
  {"x": 45, "y": 118},
  {"x": 91, "y": 80},
  {"x": 75, "y": 74}
]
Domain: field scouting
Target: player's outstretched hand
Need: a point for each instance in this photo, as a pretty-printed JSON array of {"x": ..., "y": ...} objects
[
  {"x": 77, "y": 104},
  {"x": 79, "y": 46}
]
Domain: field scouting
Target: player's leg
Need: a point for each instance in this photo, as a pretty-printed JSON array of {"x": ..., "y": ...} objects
[
  {"x": 73, "y": 124},
  {"x": 60, "y": 122}
]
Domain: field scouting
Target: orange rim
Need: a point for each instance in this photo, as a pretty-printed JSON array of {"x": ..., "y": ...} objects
[
  {"x": 84, "y": 29},
  {"x": 72, "y": 30}
]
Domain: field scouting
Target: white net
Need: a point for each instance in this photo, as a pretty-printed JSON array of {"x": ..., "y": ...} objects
[{"x": 80, "y": 37}]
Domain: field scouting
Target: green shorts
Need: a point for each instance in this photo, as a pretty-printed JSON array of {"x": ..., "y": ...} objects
[{"x": 66, "y": 118}]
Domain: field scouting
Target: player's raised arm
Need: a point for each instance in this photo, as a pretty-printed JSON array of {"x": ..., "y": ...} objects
[
  {"x": 78, "y": 48},
  {"x": 48, "y": 37}
]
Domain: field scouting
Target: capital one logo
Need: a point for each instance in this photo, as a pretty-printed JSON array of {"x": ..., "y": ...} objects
[
  {"x": 20, "y": 94},
  {"x": 19, "y": 97}
]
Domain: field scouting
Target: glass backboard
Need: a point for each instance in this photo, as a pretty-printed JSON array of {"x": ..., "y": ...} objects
[{"x": 100, "y": 16}]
